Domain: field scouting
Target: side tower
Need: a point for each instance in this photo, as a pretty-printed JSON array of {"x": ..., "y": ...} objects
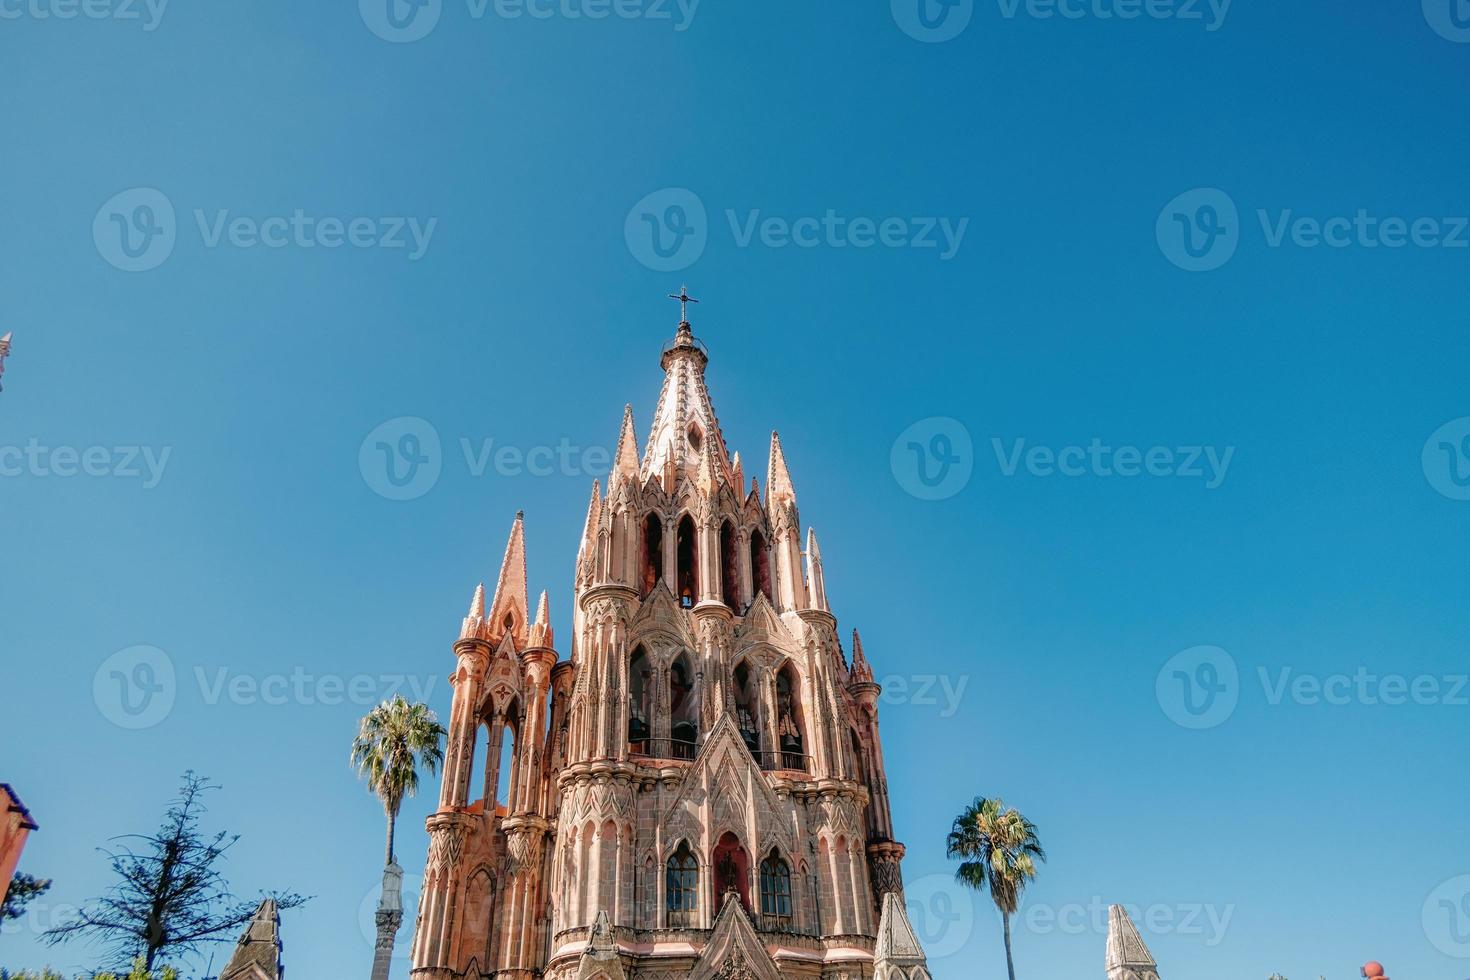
[
  {"x": 482, "y": 908},
  {"x": 701, "y": 790},
  {"x": 1128, "y": 958}
]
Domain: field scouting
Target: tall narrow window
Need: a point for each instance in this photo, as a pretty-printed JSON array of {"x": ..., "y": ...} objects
[
  {"x": 776, "y": 889},
  {"x": 688, "y": 579},
  {"x": 760, "y": 565},
  {"x": 681, "y": 885},
  {"x": 683, "y": 711},
  {"x": 653, "y": 554},
  {"x": 789, "y": 719},
  {"x": 745, "y": 710},
  {"x": 639, "y": 691},
  {"x": 729, "y": 571}
]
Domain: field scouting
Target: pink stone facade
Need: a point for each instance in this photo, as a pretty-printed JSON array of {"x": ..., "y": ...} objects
[
  {"x": 15, "y": 827},
  {"x": 698, "y": 789}
]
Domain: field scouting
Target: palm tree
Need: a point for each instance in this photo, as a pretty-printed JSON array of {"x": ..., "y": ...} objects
[
  {"x": 999, "y": 850},
  {"x": 393, "y": 740}
]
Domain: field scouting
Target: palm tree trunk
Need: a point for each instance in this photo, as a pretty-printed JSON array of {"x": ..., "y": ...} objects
[
  {"x": 1010, "y": 963},
  {"x": 392, "y": 820}
]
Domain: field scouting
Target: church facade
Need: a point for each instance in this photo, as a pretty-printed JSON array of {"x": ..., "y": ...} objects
[{"x": 698, "y": 789}]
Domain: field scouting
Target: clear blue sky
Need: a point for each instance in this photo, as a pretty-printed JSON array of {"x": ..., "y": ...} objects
[{"x": 1321, "y": 830}]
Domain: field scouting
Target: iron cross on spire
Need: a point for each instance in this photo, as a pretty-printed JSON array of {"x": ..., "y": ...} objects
[{"x": 684, "y": 300}]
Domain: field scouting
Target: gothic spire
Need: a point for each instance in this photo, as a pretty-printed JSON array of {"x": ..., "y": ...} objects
[
  {"x": 778, "y": 477},
  {"x": 257, "y": 954},
  {"x": 1127, "y": 955},
  {"x": 816, "y": 578},
  {"x": 541, "y": 628},
  {"x": 510, "y": 588},
  {"x": 898, "y": 951},
  {"x": 685, "y": 419},
  {"x": 476, "y": 616},
  {"x": 626, "y": 462},
  {"x": 862, "y": 671}
]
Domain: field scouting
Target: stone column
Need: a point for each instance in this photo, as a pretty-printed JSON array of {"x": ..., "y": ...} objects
[{"x": 389, "y": 918}]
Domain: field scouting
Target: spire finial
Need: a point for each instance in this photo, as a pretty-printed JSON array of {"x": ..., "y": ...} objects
[{"x": 684, "y": 300}]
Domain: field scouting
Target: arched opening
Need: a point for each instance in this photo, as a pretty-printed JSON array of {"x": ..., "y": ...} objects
[
  {"x": 776, "y": 892},
  {"x": 508, "y": 624},
  {"x": 683, "y": 710},
  {"x": 505, "y": 770},
  {"x": 681, "y": 887},
  {"x": 790, "y": 724},
  {"x": 653, "y": 554},
  {"x": 500, "y": 760},
  {"x": 747, "y": 709},
  {"x": 729, "y": 572},
  {"x": 696, "y": 438},
  {"x": 732, "y": 870},
  {"x": 760, "y": 565},
  {"x": 688, "y": 577},
  {"x": 640, "y": 696}
]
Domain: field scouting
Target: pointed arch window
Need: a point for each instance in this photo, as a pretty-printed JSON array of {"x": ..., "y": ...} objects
[
  {"x": 729, "y": 571},
  {"x": 789, "y": 722},
  {"x": 653, "y": 554},
  {"x": 760, "y": 566},
  {"x": 747, "y": 709},
  {"x": 683, "y": 711},
  {"x": 688, "y": 578},
  {"x": 681, "y": 886},
  {"x": 776, "y": 890},
  {"x": 640, "y": 690}
]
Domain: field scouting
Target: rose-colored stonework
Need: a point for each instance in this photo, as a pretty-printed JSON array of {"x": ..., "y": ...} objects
[{"x": 698, "y": 788}]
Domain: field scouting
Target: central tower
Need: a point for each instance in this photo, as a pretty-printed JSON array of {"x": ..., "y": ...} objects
[{"x": 699, "y": 789}]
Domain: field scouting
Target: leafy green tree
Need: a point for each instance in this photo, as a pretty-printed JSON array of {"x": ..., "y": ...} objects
[
  {"x": 999, "y": 849},
  {"x": 393, "y": 740},
  {"x": 18, "y": 894},
  {"x": 170, "y": 896}
]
